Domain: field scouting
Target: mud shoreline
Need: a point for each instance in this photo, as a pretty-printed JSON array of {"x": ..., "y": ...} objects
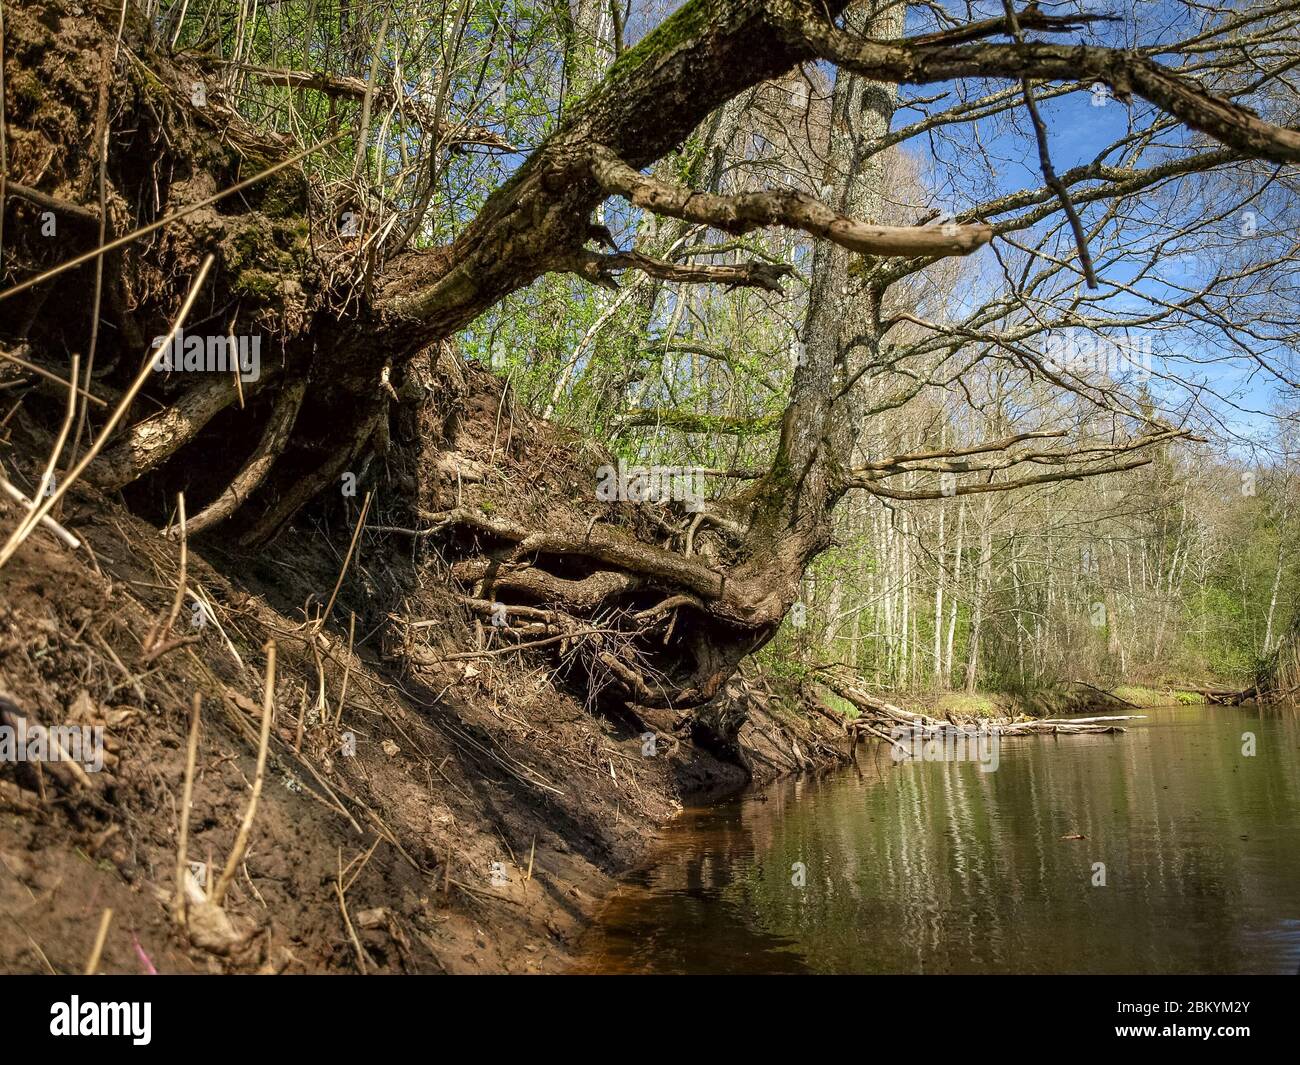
[{"x": 483, "y": 815}]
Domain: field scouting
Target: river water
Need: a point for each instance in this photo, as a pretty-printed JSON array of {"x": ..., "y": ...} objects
[{"x": 1190, "y": 863}]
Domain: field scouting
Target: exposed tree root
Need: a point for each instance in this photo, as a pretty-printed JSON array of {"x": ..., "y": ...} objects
[
  {"x": 148, "y": 444},
  {"x": 489, "y": 576},
  {"x": 308, "y": 487},
  {"x": 597, "y": 542},
  {"x": 269, "y": 448}
]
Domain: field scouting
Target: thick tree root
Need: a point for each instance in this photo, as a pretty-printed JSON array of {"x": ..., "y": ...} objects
[
  {"x": 269, "y": 448},
  {"x": 491, "y": 577},
  {"x": 600, "y": 543},
  {"x": 148, "y": 444},
  {"x": 307, "y": 488}
]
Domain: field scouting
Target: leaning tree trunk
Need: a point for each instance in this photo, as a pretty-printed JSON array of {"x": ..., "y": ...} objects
[
  {"x": 822, "y": 423},
  {"x": 342, "y": 341}
]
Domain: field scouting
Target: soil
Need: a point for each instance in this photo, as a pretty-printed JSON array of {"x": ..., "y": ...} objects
[{"x": 487, "y": 807}]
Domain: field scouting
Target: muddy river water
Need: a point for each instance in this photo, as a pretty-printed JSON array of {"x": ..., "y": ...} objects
[{"x": 1189, "y": 862}]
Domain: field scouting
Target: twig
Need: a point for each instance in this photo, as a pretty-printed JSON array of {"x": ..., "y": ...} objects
[
  {"x": 1045, "y": 161},
  {"x": 42, "y": 372},
  {"x": 241, "y": 840},
  {"x": 529, "y": 645},
  {"x": 153, "y": 644},
  {"x": 93, "y": 964},
  {"x": 356, "y": 534},
  {"x": 347, "y": 921},
  {"x": 131, "y": 677},
  {"x": 101, "y": 149},
  {"x": 363, "y": 134},
  {"x": 187, "y": 795},
  {"x": 18, "y": 497},
  {"x": 347, "y": 666},
  {"x": 43, "y": 488}
]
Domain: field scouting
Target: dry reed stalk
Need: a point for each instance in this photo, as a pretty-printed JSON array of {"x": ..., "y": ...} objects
[
  {"x": 187, "y": 796},
  {"x": 154, "y": 643},
  {"x": 92, "y": 965},
  {"x": 347, "y": 666},
  {"x": 356, "y": 535},
  {"x": 246, "y": 827}
]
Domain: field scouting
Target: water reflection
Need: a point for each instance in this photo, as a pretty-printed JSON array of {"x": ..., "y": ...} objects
[{"x": 937, "y": 867}]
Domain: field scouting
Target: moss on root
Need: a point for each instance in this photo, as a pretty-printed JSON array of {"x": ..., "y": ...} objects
[{"x": 263, "y": 255}]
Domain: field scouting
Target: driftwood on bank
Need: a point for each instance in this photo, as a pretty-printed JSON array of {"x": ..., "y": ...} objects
[
  {"x": 1219, "y": 696},
  {"x": 878, "y": 717}
]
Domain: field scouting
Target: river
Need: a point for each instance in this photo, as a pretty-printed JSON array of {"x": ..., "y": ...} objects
[{"x": 1190, "y": 862}]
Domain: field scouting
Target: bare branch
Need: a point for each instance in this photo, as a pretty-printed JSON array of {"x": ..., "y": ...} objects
[
  {"x": 337, "y": 85},
  {"x": 898, "y": 461},
  {"x": 1031, "y": 18},
  {"x": 1045, "y": 160},
  {"x": 1127, "y": 73},
  {"x": 598, "y": 268},
  {"x": 998, "y": 486},
  {"x": 946, "y": 461},
  {"x": 687, "y": 422},
  {"x": 780, "y": 207}
]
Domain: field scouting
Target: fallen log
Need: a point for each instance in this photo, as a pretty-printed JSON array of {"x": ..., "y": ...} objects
[
  {"x": 877, "y": 716},
  {"x": 1052, "y": 726},
  {"x": 1217, "y": 696}
]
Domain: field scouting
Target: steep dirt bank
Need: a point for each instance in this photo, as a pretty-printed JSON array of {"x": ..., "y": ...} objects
[{"x": 460, "y": 762}]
